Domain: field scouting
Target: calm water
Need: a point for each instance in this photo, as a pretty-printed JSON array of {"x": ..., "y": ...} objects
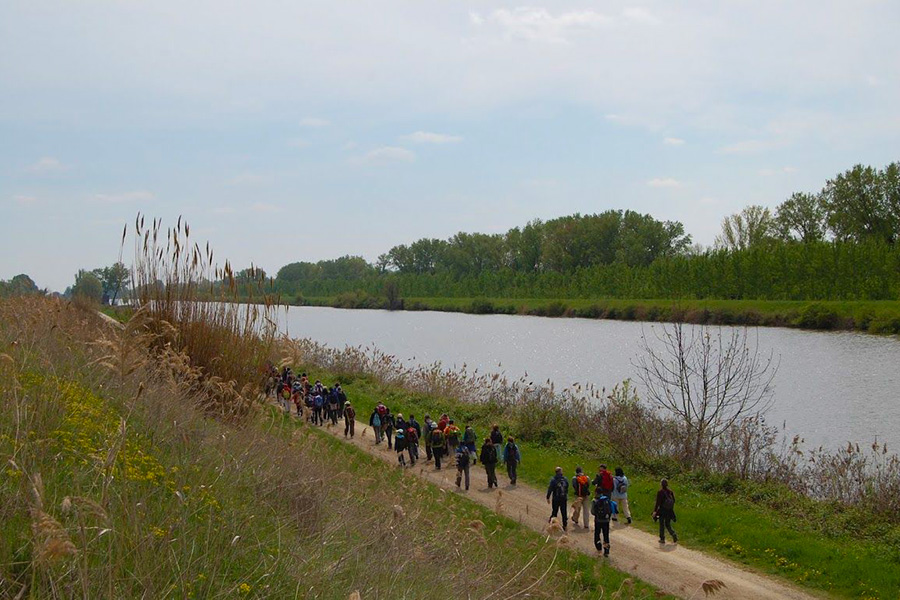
[{"x": 830, "y": 388}]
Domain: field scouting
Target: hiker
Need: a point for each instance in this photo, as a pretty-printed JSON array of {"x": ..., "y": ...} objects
[
  {"x": 604, "y": 481},
  {"x": 664, "y": 511},
  {"x": 558, "y": 490},
  {"x": 620, "y": 495},
  {"x": 412, "y": 445},
  {"x": 511, "y": 457},
  {"x": 304, "y": 382},
  {"x": 581, "y": 485},
  {"x": 602, "y": 509},
  {"x": 318, "y": 407},
  {"x": 400, "y": 447},
  {"x": 387, "y": 427},
  {"x": 468, "y": 440},
  {"x": 462, "y": 465},
  {"x": 489, "y": 460},
  {"x": 415, "y": 424},
  {"x": 443, "y": 421},
  {"x": 400, "y": 423},
  {"x": 334, "y": 406},
  {"x": 286, "y": 397},
  {"x": 496, "y": 436},
  {"x": 451, "y": 437},
  {"x": 295, "y": 398},
  {"x": 428, "y": 424},
  {"x": 375, "y": 424},
  {"x": 437, "y": 445},
  {"x": 349, "y": 419}
]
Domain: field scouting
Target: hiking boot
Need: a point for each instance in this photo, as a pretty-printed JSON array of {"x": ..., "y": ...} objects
[
  {"x": 629, "y": 520},
  {"x": 662, "y": 541},
  {"x": 674, "y": 539}
]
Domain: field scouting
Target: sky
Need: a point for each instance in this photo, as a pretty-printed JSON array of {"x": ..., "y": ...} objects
[{"x": 306, "y": 130}]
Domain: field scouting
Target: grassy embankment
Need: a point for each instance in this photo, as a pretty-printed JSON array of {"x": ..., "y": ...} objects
[
  {"x": 115, "y": 485},
  {"x": 767, "y": 527},
  {"x": 872, "y": 316}
]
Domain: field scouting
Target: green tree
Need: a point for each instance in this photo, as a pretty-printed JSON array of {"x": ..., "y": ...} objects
[
  {"x": 87, "y": 286},
  {"x": 801, "y": 217},
  {"x": 858, "y": 206},
  {"x": 749, "y": 228},
  {"x": 114, "y": 280},
  {"x": 20, "y": 285}
]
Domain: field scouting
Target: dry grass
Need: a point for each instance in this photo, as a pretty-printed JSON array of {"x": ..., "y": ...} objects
[{"x": 117, "y": 484}]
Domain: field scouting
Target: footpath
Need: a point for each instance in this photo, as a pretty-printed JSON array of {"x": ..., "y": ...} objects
[{"x": 672, "y": 568}]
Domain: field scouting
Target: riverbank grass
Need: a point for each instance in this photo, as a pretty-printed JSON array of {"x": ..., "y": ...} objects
[
  {"x": 871, "y": 316},
  {"x": 767, "y": 527}
]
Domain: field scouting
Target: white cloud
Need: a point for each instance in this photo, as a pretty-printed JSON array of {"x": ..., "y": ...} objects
[
  {"x": 664, "y": 182},
  {"x": 427, "y": 137},
  {"x": 46, "y": 165},
  {"x": 121, "y": 198},
  {"x": 673, "y": 141},
  {"x": 389, "y": 154},
  {"x": 539, "y": 25},
  {"x": 314, "y": 122},
  {"x": 21, "y": 199},
  {"x": 476, "y": 19}
]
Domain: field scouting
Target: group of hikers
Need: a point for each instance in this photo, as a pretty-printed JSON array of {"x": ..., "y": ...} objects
[{"x": 444, "y": 440}]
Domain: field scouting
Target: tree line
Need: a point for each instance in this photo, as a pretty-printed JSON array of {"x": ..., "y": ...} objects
[{"x": 836, "y": 244}]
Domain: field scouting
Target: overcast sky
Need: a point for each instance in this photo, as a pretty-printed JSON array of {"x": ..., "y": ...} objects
[{"x": 297, "y": 130}]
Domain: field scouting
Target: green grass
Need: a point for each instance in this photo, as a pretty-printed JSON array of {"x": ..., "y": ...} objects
[
  {"x": 873, "y": 316},
  {"x": 778, "y": 533}
]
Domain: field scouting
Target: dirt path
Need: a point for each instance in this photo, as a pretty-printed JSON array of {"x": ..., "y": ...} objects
[{"x": 672, "y": 568}]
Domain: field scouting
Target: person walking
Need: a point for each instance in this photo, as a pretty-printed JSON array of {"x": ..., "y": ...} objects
[
  {"x": 602, "y": 509},
  {"x": 469, "y": 439},
  {"x": 437, "y": 445},
  {"x": 334, "y": 406},
  {"x": 415, "y": 424},
  {"x": 558, "y": 491},
  {"x": 664, "y": 511},
  {"x": 349, "y": 419},
  {"x": 387, "y": 427},
  {"x": 428, "y": 424},
  {"x": 604, "y": 481},
  {"x": 581, "y": 485},
  {"x": 412, "y": 444},
  {"x": 375, "y": 424},
  {"x": 400, "y": 447},
  {"x": 620, "y": 495},
  {"x": 511, "y": 457},
  {"x": 462, "y": 465},
  {"x": 496, "y": 436},
  {"x": 489, "y": 460},
  {"x": 451, "y": 435}
]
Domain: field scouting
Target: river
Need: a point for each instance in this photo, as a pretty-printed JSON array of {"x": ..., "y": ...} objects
[{"x": 830, "y": 388}]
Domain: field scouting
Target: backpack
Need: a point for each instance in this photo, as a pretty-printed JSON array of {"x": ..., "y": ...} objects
[
  {"x": 412, "y": 436},
  {"x": 350, "y": 413},
  {"x": 376, "y": 420},
  {"x": 469, "y": 436},
  {"x": 489, "y": 455},
  {"x": 606, "y": 480},
  {"x": 381, "y": 409},
  {"x": 582, "y": 485},
  {"x": 621, "y": 485},
  {"x": 668, "y": 503},
  {"x": 562, "y": 488},
  {"x": 319, "y": 401},
  {"x": 462, "y": 459},
  {"x": 437, "y": 438},
  {"x": 601, "y": 508},
  {"x": 453, "y": 437}
]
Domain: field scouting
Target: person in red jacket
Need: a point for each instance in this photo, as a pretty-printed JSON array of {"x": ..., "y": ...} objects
[{"x": 604, "y": 481}]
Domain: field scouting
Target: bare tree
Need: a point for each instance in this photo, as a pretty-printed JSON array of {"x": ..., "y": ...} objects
[{"x": 708, "y": 380}]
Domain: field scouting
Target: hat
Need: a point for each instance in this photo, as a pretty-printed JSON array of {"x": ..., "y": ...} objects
[
  {"x": 347, "y": 403},
  {"x": 432, "y": 425}
]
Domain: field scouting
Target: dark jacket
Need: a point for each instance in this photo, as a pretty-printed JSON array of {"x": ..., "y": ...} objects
[
  {"x": 511, "y": 453},
  {"x": 415, "y": 425},
  {"x": 496, "y": 437},
  {"x": 558, "y": 488},
  {"x": 488, "y": 454},
  {"x": 659, "y": 508}
]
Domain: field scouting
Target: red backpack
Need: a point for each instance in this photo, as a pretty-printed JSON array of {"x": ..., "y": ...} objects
[
  {"x": 583, "y": 485},
  {"x": 606, "y": 480}
]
